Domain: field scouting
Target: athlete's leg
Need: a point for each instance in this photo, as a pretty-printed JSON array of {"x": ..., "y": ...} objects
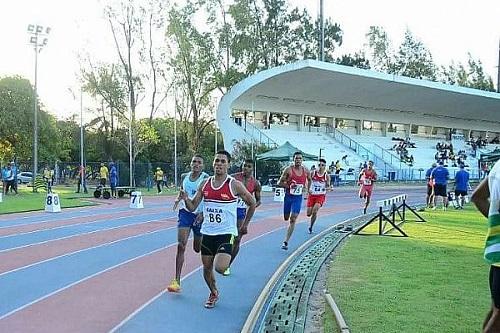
[
  {"x": 287, "y": 206},
  {"x": 182, "y": 238},
  {"x": 314, "y": 214},
  {"x": 208, "y": 272},
  {"x": 236, "y": 244}
]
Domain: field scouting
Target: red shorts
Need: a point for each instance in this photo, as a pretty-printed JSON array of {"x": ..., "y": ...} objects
[
  {"x": 366, "y": 190},
  {"x": 313, "y": 199}
]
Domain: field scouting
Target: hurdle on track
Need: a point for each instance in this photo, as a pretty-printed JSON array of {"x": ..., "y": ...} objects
[{"x": 397, "y": 205}]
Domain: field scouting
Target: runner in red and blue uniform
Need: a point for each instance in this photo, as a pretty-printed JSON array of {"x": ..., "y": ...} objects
[{"x": 295, "y": 179}]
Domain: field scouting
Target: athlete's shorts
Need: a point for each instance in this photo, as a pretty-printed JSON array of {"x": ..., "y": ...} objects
[
  {"x": 211, "y": 245},
  {"x": 430, "y": 188},
  {"x": 440, "y": 190},
  {"x": 186, "y": 220},
  {"x": 241, "y": 213},
  {"x": 365, "y": 190},
  {"x": 495, "y": 285},
  {"x": 313, "y": 199},
  {"x": 292, "y": 204},
  {"x": 460, "y": 193}
]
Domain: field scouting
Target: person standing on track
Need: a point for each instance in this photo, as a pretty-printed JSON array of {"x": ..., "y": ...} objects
[
  {"x": 219, "y": 228},
  {"x": 320, "y": 183},
  {"x": 188, "y": 220},
  {"x": 486, "y": 197},
  {"x": 430, "y": 200},
  {"x": 295, "y": 179},
  {"x": 253, "y": 186},
  {"x": 367, "y": 177}
]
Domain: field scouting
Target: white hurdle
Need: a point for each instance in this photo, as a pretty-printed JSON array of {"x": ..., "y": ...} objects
[
  {"x": 393, "y": 205},
  {"x": 391, "y": 201}
]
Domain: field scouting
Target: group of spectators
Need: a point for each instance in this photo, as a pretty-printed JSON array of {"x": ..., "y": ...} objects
[
  {"x": 401, "y": 148},
  {"x": 437, "y": 177}
]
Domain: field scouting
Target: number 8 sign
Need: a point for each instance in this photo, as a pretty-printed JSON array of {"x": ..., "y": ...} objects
[{"x": 52, "y": 203}]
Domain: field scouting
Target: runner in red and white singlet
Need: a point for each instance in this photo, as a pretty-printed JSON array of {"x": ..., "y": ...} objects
[
  {"x": 367, "y": 177},
  {"x": 320, "y": 184},
  {"x": 219, "y": 194}
]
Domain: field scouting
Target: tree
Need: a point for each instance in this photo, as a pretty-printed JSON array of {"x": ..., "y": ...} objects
[
  {"x": 380, "y": 47},
  {"x": 472, "y": 76},
  {"x": 357, "y": 60},
  {"x": 414, "y": 59}
]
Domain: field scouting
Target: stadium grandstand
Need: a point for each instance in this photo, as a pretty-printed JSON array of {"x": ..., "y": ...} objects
[{"x": 353, "y": 115}]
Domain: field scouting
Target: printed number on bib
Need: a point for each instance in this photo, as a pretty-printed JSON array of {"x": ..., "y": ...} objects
[
  {"x": 296, "y": 189},
  {"x": 318, "y": 189},
  {"x": 367, "y": 182},
  {"x": 214, "y": 217}
]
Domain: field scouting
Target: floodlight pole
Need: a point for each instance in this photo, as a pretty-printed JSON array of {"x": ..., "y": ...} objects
[
  {"x": 498, "y": 69},
  {"x": 36, "y": 31},
  {"x": 322, "y": 32},
  {"x": 82, "y": 168}
]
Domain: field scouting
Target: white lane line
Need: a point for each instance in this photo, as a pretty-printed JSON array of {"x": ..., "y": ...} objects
[
  {"x": 85, "y": 249},
  {"x": 82, "y": 280},
  {"x": 70, "y": 236},
  {"x": 66, "y": 218},
  {"x": 77, "y": 224}
]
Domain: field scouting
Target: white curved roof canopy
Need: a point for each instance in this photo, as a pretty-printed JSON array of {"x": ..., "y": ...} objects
[{"x": 329, "y": 90}]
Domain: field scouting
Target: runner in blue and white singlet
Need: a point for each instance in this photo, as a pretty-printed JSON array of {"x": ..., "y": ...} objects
[{"x": 187, "y": 220}]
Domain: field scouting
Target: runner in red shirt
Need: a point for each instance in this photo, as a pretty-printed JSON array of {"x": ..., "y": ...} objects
[
  {"x": 317, "y": 191},
  {"x": 367, "y": 177}
]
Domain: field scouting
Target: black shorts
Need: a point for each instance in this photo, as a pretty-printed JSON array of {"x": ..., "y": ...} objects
[
  {"x": 495, "y": 285},
  {"x": 440, "y": 190},
  {"x": 102, "y": 181},
  {"x": 211, "y": 245},
  {"x": 460, "y": 193}
]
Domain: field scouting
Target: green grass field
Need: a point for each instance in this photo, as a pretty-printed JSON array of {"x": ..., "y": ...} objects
[
  {"x": 26, "y": 200},
  {"x": 433, "y": 281}
]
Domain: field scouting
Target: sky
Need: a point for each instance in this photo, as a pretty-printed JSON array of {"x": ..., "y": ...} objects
[{"x": 449, "y": 28}]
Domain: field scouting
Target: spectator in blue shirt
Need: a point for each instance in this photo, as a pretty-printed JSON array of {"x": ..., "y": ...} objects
[
  {"x": 430, "y": 186},
  {"x": 440, "y": 176},
  {"x": 461, "y": 186}
]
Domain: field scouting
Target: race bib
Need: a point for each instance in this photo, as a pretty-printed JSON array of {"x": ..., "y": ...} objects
[
  {"x": 241, "y": 203},
  {"x": 318, "y": 188},
  {"x": 296, "y": 189},
  {"x": 213, "y": 215},
  {"x": 367, "y": 182}
]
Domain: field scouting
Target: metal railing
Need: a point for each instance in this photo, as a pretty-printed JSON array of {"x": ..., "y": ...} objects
[
  {"x": 256, "y": 134},
  {"x": 387, "y": 156},
  {"x": 363, "y": 152}
]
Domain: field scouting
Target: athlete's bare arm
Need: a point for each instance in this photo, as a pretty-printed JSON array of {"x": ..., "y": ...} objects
[
  {"x": 308, "y": 178},
  {"x": 256, "y": 193},
  {"x": 328, "y": 182},
  {"x": 192, "y": 204},
  {"x": 178, "y": 199},
  {"x": 248, "y": 199},
  {"x": 283, "y": 182}
]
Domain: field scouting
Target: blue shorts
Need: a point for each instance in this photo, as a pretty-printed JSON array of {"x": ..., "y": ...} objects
[
  {"x": 241, "y": 213},
  {"x": 292, "y": 204},
  {"x": 186, "y": 220}
]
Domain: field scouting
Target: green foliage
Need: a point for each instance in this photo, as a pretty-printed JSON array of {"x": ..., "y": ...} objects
[
  {"x": 357, "y": 60},
  {"x": 472, "y": 76}
]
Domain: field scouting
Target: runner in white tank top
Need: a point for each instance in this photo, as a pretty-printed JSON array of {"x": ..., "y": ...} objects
[{"x": 220, "y": 194}]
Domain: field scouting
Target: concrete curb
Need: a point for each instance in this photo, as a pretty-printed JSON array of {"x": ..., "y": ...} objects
[{"x": 341, "y": 324}]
